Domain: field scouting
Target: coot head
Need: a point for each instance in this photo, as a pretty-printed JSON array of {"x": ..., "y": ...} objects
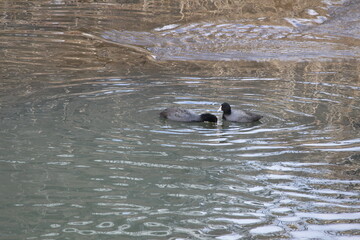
[
  {"x": 207, "y": 117},
  {"x": 225, "y": 107}
]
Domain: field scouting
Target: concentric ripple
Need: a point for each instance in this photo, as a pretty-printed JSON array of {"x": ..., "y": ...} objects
[{"x": 84, "y": 153}]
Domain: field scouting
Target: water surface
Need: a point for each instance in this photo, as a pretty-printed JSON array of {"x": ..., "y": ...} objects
[{"x": 84, "y": 154}]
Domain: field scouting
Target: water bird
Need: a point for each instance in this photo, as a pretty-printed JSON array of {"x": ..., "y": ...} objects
[
  {"x": 185, "y": 115},
  {"x": 236, "y": 115}
]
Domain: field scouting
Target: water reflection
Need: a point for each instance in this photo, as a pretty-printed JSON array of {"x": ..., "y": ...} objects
[
  {"x": 84, "y": 152},
  {"x": 252, "y": 176}
]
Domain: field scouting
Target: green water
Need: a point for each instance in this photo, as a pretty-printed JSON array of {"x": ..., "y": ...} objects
[{"x": 84, "y": 154}]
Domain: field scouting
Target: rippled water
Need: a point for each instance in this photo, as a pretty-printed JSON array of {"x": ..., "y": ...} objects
[{"x": 84, "y": 154}]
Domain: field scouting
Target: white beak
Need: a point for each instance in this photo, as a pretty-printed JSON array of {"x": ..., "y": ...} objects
[{"x": 219, "y": 110}]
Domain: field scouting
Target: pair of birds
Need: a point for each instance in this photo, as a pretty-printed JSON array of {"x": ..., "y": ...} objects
[{"x": 184, "y": 115}]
